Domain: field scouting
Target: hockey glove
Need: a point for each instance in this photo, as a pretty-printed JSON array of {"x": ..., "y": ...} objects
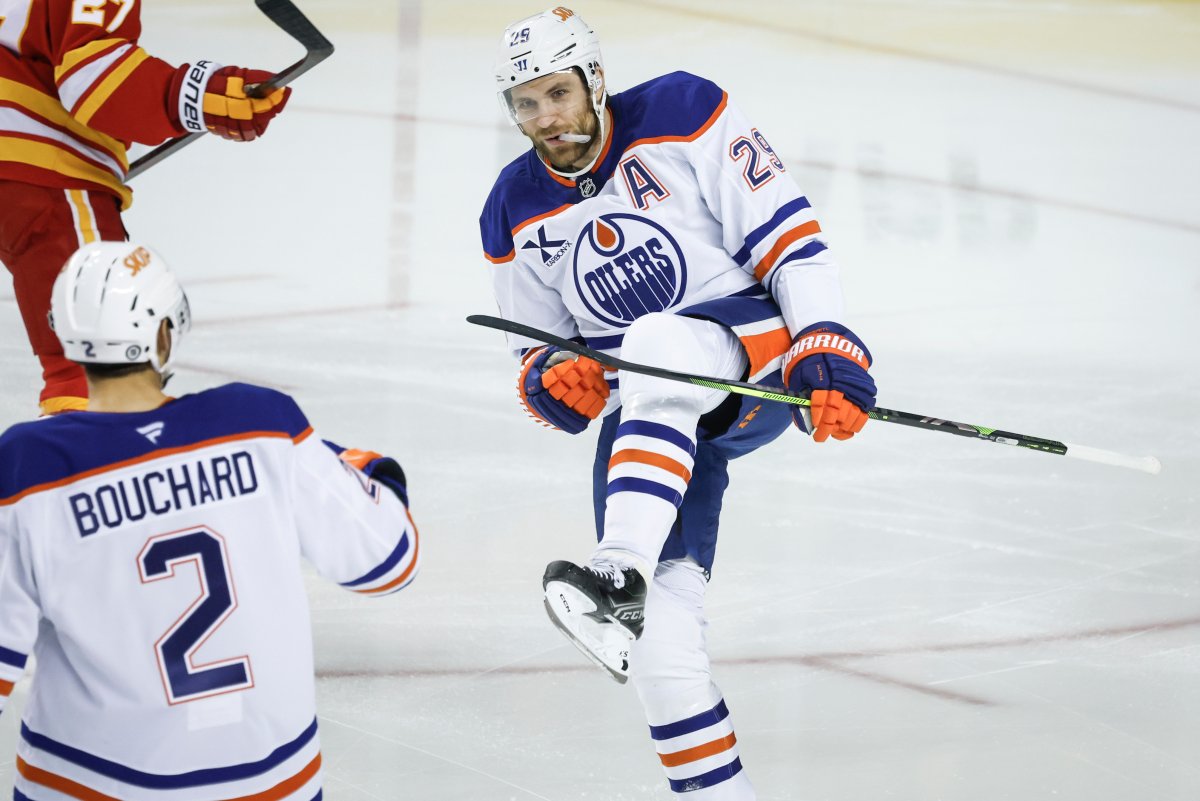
[
  {"x": 829, "y": 363},
  {"x": 214, "y": 98},
  {"x": 381, "y": 469},
  {"x": 560, "y": 390}
]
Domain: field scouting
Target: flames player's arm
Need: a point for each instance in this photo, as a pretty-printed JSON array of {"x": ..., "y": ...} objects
[
  {"x": 19, "y": 610},
  {"x": 355, "y": 530},
  {"x": 108, "y": 82},
  {"x": 105, "y": 79}
]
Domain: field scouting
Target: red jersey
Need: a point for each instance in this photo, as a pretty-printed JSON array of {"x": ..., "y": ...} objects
[{"x": 75, "y": 90}]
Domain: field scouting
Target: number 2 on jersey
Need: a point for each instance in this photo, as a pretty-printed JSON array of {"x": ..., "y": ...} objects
[
  {"x": 176, "y": 649},
  {"x": 753, "y": 149}
]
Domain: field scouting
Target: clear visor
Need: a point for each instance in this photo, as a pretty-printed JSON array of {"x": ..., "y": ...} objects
[{"x": 561, "y": 94}]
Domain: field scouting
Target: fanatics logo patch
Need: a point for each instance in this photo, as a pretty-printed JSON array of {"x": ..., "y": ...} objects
[{"x": 152, "y": 431}]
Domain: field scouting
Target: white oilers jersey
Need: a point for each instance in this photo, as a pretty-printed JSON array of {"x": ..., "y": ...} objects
[
  {"x": 150, "y": 563},
  {"x": 687, "y": 205}
]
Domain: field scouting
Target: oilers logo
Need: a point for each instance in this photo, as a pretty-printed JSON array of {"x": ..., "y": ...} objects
[{"x": 627, "y": 266}]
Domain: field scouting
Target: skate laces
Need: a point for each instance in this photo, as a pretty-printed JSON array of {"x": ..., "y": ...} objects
[{"x": 610, "y": 572}]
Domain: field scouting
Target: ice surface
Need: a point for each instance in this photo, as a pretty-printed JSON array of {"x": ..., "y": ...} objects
[{"x": 1011, "y": 189}]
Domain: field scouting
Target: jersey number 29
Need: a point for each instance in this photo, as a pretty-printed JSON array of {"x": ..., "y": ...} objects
[{"x": 183, "y": 680}]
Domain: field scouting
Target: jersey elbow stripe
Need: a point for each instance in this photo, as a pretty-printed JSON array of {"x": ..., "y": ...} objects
[
  {"x": 407, "y": 570},
  {"x": 810, "y": 228},
  {"x": 83, "y": 66},
  {"x": 505, "y": 259},
  {"x": 755, "y": 237},
  {"x": 104, "y": 88}
]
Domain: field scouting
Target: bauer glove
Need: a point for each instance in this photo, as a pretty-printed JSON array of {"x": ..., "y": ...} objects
[
  {"x": 560, "y": 390},
  {"x": 381, "y": 469},
  {"x": 828, "y": 363},
  {"x": 209, "y": 97}
]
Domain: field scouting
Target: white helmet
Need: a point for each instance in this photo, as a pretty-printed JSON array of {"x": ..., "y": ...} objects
[
  {"x": 108, "y": 302},
  {"x": 543, "y": 44}
]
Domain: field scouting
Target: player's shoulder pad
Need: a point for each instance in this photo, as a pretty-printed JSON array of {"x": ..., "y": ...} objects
[
  {"x": 48, "y": 452},
  {"x": 256, "y": 408},
  {"x": 678, "y": 104},
  {"x": 522, "y": 191}
]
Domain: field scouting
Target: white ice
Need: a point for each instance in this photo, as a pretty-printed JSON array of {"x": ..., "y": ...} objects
[{"x": 1011, "y": 187}]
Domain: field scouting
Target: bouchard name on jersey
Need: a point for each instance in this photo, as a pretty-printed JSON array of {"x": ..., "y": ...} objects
[{"x": 150, "y": 564}]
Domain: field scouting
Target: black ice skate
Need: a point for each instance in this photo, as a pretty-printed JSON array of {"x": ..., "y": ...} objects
[{"x": 600, "y": 611}]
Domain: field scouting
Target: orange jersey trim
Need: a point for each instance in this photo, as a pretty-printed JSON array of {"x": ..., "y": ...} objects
[
  {"x": 652, "y": 459},
  {"x": 159, "y": 454},
  {"x": 539, "y": 218},
  {"x": 699, "y": 752},
  {"x": 403, "y": 577},
  {"x": 505, "y": 259},
  {"x": 6, "y": 688},
  {"x": 799, "y": 232},
  {"x": 76, "y": 790},
  {"x": 656, "y": 140},
  {"x": 762, "y": 348}
]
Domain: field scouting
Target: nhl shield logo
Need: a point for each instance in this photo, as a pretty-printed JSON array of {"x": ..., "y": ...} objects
[
  {"x": 626, "y": 266},
  {"x": 587, "y": 187}
]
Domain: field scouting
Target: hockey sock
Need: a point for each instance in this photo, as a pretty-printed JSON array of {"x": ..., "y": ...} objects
[{"x": 648, "y": 475}]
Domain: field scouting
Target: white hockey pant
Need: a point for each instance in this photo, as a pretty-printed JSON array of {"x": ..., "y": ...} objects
[
  {"x": 653, "y": 452},
  {"x": 689, "y": 722}
]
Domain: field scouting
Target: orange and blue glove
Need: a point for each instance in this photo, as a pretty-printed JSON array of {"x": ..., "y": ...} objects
[
  {"x": 382, "y": 469},
  {"x": 560, "y": 390},
  {"x": 210, "y": 97},
  {"x": 829, "y": 364}
]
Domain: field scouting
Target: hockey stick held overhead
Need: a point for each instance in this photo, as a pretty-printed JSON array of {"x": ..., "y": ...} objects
[
  {"x": 284, "y": 14},
  {"x": 1146, "y": 464}
]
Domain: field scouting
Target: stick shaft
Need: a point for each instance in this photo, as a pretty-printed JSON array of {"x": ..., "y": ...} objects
[{"x": 1146, "y": 464}]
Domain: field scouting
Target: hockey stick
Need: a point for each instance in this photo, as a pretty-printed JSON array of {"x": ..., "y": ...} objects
[
  {"x": 284, "y": 14},
  {"x": 1146, "y": 464}
]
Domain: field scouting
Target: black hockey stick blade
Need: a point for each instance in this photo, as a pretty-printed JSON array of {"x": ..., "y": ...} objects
[
  {"x": 284, "y": 14},
  {"x": 1146, "y": 464}
]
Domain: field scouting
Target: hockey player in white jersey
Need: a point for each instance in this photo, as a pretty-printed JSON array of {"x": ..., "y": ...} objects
[
  {"x": 150, "y": 561},
  {"x": 659, "y": 224}
]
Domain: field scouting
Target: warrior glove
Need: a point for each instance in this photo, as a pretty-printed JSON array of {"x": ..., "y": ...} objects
[
  {"x": 560, "y": 390},
  {"x": 828, "y": 363}
]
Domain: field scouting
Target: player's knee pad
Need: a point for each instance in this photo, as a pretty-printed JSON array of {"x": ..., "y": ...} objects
[{"x": 685, "y": 344}]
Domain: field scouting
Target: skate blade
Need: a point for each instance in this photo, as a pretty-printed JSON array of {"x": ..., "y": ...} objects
[{"x": 616, "y": 647}]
